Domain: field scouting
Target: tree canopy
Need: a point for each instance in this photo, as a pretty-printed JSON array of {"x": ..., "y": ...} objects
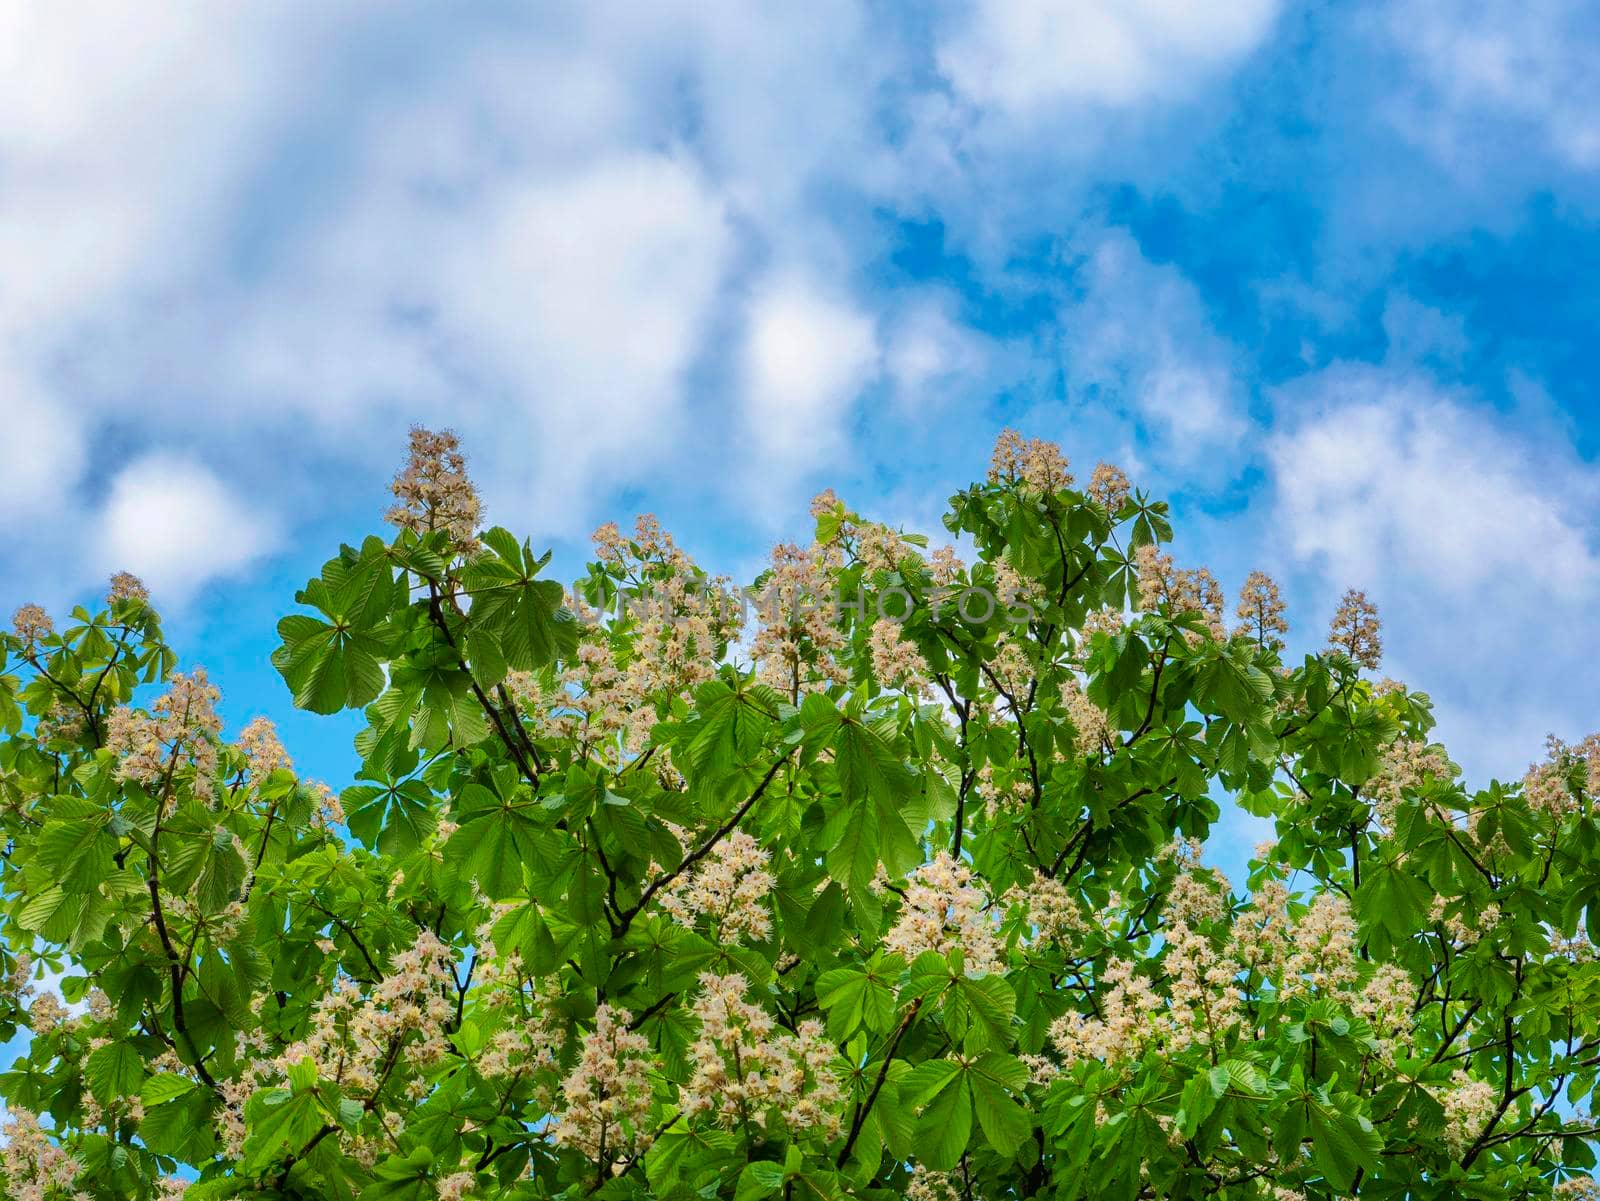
[{"x": 881, "y": 877}]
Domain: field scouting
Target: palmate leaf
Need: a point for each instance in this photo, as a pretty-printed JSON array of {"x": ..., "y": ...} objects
[
  {"x": 1342, "y": 1140},
  {"x": 517, "y": 622},
  {"x": 385, "y": 746},
  {"x": 523, "y": 929},
  {"x": 690, "y": 1154},
  {"x": 182, "y": 1127},
  {"x": 10, "y": 710},
  {"x": 980, "y": 1011},
  {"x": 995, "y": 1081},
  {"x": 731, "y": 729},
  {"x": 758, "y": 1180},
  {"x": 1391, "y": 897},
  {"x": 496, "y": 836},
  {"x": 852, "y": 997},
  {"x": 945, "y": 1126},
  {"x": 877, "y": 789},
  {"x": 334, "y": 662},
  {"x": 870, "y": 767},
  {"x": 39, "y": 910},
  {"x": 986, "y": 1006},
  {"x": 199, "y": 857},
  {"x": 327, "y": 667},
  {"x": 1229, "y": 683},
  {"x": 450, "y": 1110},
  {"x": 402, "y": 1177},
  {"x": 853, "y": 854},
  {"x": 115, "y": 1071},
  {"x": 76, "y": 852},
  {"x": 446, "y": 709},
  {"x": 279, "y": 1121},
  {"x": 391, "y": 817}
]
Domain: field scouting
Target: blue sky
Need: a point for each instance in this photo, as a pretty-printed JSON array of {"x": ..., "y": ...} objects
[{"x": 1320, "y": 273}]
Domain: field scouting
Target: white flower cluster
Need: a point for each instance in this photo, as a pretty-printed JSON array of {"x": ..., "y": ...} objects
[
  {"x": 607, "y": 1094},
  {"x": 747, "y": 1071},
  {"x": 729, "y": 888},
  {"x": 943, "y": 910},
  {"x": 362, "y": 1041},
  {"x": 181, "y": 729},
  {"x": 1213, "y": 963}
]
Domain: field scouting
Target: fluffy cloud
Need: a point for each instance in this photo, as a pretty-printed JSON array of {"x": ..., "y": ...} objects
[
  {"x": 237, "y": 229},
  {"x": 122, "y": 127},
  {"x": 124, "y": 131},
  {"x": 586, "y": 242},
  {"x": 1025, "y": 55},
  {"x": 1138, "y": 337},
  {"x": 589, "y": 296},
  {"x": 172, "y": 522},
  {"x": 48, "y": 445},
  {"x": 929, "y": 353},
  {"x": 1397, "y": 476},
  {"x": 1491, "y": 72},
  {"x": 1469, "y": 532},
  {"x": 807, "y": 356}
]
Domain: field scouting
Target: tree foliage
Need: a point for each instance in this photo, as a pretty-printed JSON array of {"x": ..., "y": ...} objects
[{"x": 642, "y": 892}]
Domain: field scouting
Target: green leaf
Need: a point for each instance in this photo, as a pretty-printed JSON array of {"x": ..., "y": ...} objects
[
  {"x": 393, "y": 818},
  {"x": 164, "y": 1087},
  {"x": 1229, "y": 683},
  {"x": 681, "y": 1153},
  {"x": 927, "y": 1080},
  {"x": 851, "y": 996},
  {"x": 401, "y": 1177},
  {"x": 984, "y": 1008},
  {"x": 759, "y": 1179},
  {"x": 115, "y": 1072},
  {"x": 1392, "y": 898},
  {"x": 521, "y": 616},
  {"x": 869, "y": 825},
  {"x": 333, "y": 662},
  {"x": 1199, "y": 1100},
  {"x": 945, "y": 1127},
  {"x": 731, "y": 727},
  {"x": 41, "y": 908},
  {"x": 182, "y": 1128},
  {"x": 496, "y": 837},
  {"x": 1243, "y": 1078},
  {"x": 77, "y": 852},
  {"x": 1005, "y": 1123},
  {"x": 327, "y": 667},
  {"x": 1343, "y": 1141},
  {"x": 278, "y": 1121}
]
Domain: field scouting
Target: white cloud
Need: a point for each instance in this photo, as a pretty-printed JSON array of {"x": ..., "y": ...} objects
[
  {"x": 102, "y": 156},
  {"x": 1025, "y": 55},
  {"x": 1396, "y": 477},
  {"x": 589, "y": 296},
  {"x": 223, "y": 232},
  {"x": 534, "y": 235},
  {"x": 172, "y": 522},
  {"x": 1491, "y": 72},
  {"x": 124, "y": 129},
  {"x": 1470, "y": 532},
  {"x": 1139, "y": 337},
  {"x": 929, "y": 353},
  {"x": 45, "y": 446},
  {"x": 119, "y": 123},
  {"x": 503, "y": 245},
  {"x": 807, "y": 356}
]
